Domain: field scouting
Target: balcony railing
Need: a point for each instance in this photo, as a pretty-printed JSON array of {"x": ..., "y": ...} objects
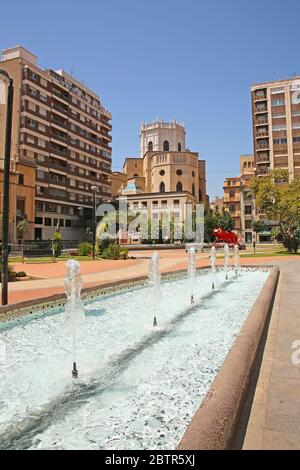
[
  {"x": 259, "y": 122},
  {"x": 59, "y": 152},
  {"x": 59, "y": 137},
  {"x": 60, "y": 109},
  {"x": 56, "y": 166},
  {"x": 262, "y": 134},
  {"x": 59, "y": 123},
  {"x": 260, "y": 96},
  {"x": 60, "y": 95},
  {"x": 262, "y": 146},
  {"x": 261, "y": 109}
]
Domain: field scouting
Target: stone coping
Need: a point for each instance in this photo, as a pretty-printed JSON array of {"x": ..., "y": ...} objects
[
  {"x": 214, "y": 425},
  {"x": 44, "y": 304}
]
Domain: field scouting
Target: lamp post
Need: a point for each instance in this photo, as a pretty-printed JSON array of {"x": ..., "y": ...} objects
[
  {"x": 94, "y": 189},
  {"x": 5, "y": 209}
]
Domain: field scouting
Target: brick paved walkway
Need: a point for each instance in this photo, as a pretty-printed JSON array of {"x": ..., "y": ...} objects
[{"x": 271, "y": 417}]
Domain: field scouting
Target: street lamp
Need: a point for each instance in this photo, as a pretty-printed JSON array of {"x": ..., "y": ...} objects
[
  {"x": 4, "y": 77},
  {"x": 94, "y": 189}
]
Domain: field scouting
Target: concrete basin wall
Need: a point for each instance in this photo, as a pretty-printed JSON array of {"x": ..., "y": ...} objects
[{"x": 214, "y": 425}]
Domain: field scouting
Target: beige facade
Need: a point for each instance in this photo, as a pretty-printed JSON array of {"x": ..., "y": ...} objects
[
  {"x": 164, "y": 179},
  {"x": 22, "y": 200},
  {"x": 276, "y": 126},
  {"x": 61, "y": 128}
]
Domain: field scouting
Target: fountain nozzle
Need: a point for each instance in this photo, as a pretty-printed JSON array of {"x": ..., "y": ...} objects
[
  {"x": 213, "y": 286},
  {"x": 154, "y": 322},
  {"x": 74, "y": 371}
]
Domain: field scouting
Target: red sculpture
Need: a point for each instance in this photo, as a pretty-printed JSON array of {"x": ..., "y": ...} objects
[{"x": 226, "y": 237}]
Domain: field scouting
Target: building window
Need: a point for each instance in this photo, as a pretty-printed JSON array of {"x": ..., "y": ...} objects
[
  {"x": 68, "y": 223},
  {"x": 248, "y": 224},
  {"x": 248, "y": 210},
  {"x": 162, "y": 187},
  {"x": 232, "y": 193},
  {"x": 200, "y": 195},
  {"x": 278, "y": 102},
  {"x": 39, "y": 220},
  {"x": 179, "y": 147},
  {"x": 193, "y": 189},
  {"x": 179, "y": 187},
  {"x": 193, "y": 174},
  {"x": 179, "y": 172},
  {"x": 150, "y": 146},
  {"x": 48, "y": 222},
  {"x": 162, "y": 172},
  {"x": 166, "y": 146},
  {"x": 21, "y": 179},
  {"x": 231, "y": 208}
]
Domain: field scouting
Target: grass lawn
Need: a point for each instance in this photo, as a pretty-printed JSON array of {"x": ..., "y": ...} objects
[{"x": 268, "y": 254}]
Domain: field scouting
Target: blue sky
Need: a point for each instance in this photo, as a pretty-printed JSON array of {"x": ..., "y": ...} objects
[{"x": 190, "y": 59}]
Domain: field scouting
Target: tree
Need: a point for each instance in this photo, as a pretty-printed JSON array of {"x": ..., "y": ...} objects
[
  {"x": 216, "y": 219},
  {"x": 279, "y": 199},
  {"x": 57, "y": 242},
  {"x": 22, "y": 227},
  {"x": 259, "y": 226}
]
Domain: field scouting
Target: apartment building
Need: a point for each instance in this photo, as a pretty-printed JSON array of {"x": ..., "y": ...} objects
[
  {"x": 276, "y": 126},
  {"x": 239, "y": 199},
  {"x": 60, "y": 128}
]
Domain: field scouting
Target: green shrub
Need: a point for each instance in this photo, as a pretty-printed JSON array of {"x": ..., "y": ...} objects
[
  {"x": 57, "y": 243},
  {"x": 21, "y": 274},
  {"x": 114, "y": 251},
  {"x": 123, "y": 252},
  {"x": 103, "y": 244},
  {"x": 11, "y": 273},
  {"x": 85, "y": 249}
]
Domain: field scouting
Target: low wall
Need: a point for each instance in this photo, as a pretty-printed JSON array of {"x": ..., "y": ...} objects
[{"x": 214, "y": 425}]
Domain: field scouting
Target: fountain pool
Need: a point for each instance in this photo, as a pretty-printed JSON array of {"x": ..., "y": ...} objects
[{"x": 138, "y": 386}]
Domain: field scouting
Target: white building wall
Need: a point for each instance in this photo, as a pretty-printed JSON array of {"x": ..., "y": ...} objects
[{"x": 157, "y": 132}]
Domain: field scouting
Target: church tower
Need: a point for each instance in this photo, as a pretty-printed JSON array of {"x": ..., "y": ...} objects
[{"x": 162, "y": 136}]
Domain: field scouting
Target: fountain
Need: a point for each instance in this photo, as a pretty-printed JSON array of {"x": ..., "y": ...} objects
[
  {"x": 192, "y": 271},
  {"x": 237, "y": 263},
  {"x": 74, "y": 308},
  {"x": 213, "y": 262},
  {"x": 154, "y": 281},
  {"x": 226, "y": 259}
]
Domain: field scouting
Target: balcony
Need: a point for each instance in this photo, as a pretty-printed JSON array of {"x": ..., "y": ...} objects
[
  {"x": 260, "y": 96},
  {"x": 57, "y": 166},
  {"x": 57, "y": 182},
  {"x": 60, "y": 95},
  {"x": 263, "y": 160},
  {"x": 262, "y": 146},
  {"x": 60, "y": 109},
  {"x": 59, "y": 152},
  {"x": 57, "y": 122},
  {"x": 260, "y": 109},
  {"x": 259, "y": 135},
  {"x": 260, "y": 122},
  {"x": 262, "y": 171},
  {"x": 59, "y": 137}
]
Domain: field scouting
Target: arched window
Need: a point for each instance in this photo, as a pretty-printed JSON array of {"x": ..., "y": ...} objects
[
  {"x": 179, "y": 187},
  {"x": 179, "y": 147},
  {"x": 166, "y": 146},
  {"x": 162, "y": 188},
  {"x": 193, "y": 189},
  {"x": 150, "y": 145},
  {"x": 200, "y": 195}
]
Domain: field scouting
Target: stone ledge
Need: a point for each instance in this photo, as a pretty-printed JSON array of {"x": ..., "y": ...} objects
[{"x": 214, "y": 425}]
